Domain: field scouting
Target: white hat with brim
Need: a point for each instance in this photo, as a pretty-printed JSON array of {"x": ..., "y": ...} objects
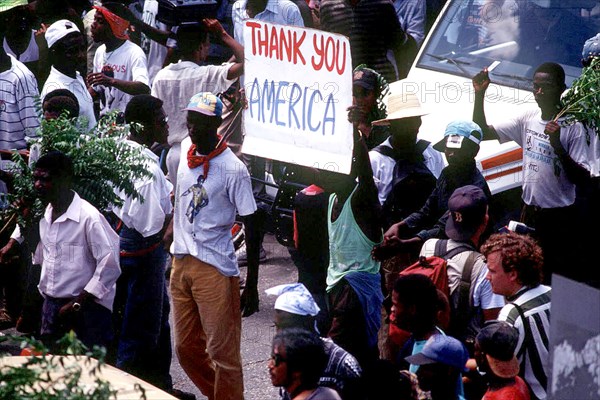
[{"x": 401, "y": 105}]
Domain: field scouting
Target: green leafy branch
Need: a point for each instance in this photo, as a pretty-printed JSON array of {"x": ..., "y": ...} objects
[
  {"x": 582, "y": 101},
  {"x": 103, "y": 165},
  {"x": 50, "y": 377}
]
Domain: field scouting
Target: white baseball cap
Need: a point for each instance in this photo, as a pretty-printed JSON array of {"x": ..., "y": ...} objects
[{"x": 59, "y": 30}]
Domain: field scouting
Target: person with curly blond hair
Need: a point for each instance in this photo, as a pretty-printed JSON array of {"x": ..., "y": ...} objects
[{"x": 515, "y": 272}]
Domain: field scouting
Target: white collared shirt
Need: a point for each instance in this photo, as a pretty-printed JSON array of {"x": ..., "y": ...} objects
[
  {"x": 147, "y": 217},
  {"x": 79, "y": 251},
  {"x": 282, "y": 12},
  {"x": 58, "y": 80}
]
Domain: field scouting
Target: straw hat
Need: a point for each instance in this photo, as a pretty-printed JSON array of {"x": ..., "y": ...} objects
[{"x": 402, "y": 105}]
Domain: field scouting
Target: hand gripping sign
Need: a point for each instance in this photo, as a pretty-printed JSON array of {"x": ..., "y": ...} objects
[{"x": 298, "y": 85}]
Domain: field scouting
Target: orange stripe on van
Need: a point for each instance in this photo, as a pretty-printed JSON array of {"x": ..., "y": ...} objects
[
  {"x": 504, "y": 173},
  {"x": 502, "y": 159}
]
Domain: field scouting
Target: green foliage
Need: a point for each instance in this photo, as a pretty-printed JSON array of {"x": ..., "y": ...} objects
[
  {"x": 102, "y": 163},
  {"x": 582, "y": 102},
  {"x": 51, "y": 377}
]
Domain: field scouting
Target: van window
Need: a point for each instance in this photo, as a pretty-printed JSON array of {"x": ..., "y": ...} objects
[{"x": 520, "y": 34}]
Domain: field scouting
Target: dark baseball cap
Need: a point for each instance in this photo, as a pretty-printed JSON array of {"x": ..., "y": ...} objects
[
  {"x": 365, "y": 78},
  {"x": 467, "y": 207},
  {"x": 498, "y": 341}
]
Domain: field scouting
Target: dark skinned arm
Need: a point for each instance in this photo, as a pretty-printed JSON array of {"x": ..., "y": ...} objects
[
  {"x": 129, "y": 87},
  {"x": 575, "y": 172},
  {"x": 365, "y": 203},
  {"x": 481, "y": 82},
  {"x": 249, "y": 297},
  {"x": 491, "y": 314},
  {"x": 83, "y": 298},
  {"x": 215, "y": 27}
]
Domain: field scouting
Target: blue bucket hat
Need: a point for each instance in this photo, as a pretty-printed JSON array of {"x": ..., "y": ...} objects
[{"x": 456, "y": 132}]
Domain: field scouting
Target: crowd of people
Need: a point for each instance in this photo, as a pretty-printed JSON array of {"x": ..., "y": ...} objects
[{"x": 403, "y": 286}]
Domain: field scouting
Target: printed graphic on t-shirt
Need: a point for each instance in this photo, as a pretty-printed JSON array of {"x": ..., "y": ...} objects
[
  {"x": 538, "y": 150},
  {"x": 199, "y": 199}
]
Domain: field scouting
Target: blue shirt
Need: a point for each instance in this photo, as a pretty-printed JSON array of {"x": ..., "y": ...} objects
[{"x": 282, "y": 12}]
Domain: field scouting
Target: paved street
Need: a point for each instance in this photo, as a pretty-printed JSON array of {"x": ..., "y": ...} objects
[{"x": 257, "y": 330}]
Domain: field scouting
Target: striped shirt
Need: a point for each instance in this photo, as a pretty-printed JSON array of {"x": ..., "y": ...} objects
[
  {"x": 18, "y": 116},
  {"x": 372, "y": 27},
  {"x": 532, "y": 353}
]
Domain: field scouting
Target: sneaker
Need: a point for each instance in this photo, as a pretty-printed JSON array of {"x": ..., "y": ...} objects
[{"x": 242, "y": 258}]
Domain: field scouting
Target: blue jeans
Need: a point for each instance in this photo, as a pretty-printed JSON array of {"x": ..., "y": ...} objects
[
  {"x": 142, "y": 310},
  {"x": 91, "y": 323}
]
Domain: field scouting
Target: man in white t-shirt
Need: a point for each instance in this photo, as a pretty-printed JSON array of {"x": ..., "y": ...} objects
[
  {"x": 66, "y": 47},
  {"x": 178, "y": 82},
  {"x": 212, "y": 186},
  {"x": 555, "y": 161},
  {"x": 120, "y": 66}
]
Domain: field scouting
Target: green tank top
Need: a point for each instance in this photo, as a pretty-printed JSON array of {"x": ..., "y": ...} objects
[{"x": 349, "y": 248}]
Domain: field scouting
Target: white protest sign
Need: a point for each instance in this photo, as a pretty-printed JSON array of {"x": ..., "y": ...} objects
[{"x": 298, "y": 85}]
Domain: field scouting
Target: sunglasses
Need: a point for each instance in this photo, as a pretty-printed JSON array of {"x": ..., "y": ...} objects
[{"x": 278, "y": 359}]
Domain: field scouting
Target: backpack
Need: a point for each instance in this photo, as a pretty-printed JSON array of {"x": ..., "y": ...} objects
[
  {"x": 435, "y": 268},
  {"x": 412, "y": 183}
]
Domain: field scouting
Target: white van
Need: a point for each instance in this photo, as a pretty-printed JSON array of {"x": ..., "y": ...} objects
[{"x": 511, "y": 37}]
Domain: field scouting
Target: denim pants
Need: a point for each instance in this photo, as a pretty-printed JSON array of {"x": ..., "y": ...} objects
[
  {"x": 142, "y": 310},
  {"x": 91, "y": 324}
]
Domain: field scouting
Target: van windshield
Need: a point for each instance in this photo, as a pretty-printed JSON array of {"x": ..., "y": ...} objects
[{"x": 515, "y": 35}]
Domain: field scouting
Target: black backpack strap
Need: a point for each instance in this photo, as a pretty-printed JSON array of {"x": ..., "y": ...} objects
[
  {"x": 464, "y": 287},
  {"x": 422, "y": 145},
  {"x": 441, "y": 248},
  {"x": 386, "y": 151},
  {"x": 459, "y": 249}
]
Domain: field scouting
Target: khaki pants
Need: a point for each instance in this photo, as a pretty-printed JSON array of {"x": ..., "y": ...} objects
[{"x": 207, "y": 319}]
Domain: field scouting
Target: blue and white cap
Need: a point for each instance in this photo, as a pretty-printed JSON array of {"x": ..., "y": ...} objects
[
  {"x": 295, "y": 299},
  {"x": 456, "y": 132},
  {"x": 205, "y": 103}
]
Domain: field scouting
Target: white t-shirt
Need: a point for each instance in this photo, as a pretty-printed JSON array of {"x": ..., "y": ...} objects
[
  {"x": 545, "y": 183},
  {"x": 383, "y": 168},
  {"x": 58, "y": 80},
  {"x": 155, "y": 51},
  {"x": 147, "y": 217},
  {"x": 177, "y": 83},
  {"x": 18, "y": 116},
  {"x": 128, "y": 62},
  {"x": 205, "y": 211},
  {"x": 481, "y": 289}
]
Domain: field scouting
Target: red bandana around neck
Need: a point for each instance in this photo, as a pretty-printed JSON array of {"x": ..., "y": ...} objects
[{"x": 195, "y": 160}]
